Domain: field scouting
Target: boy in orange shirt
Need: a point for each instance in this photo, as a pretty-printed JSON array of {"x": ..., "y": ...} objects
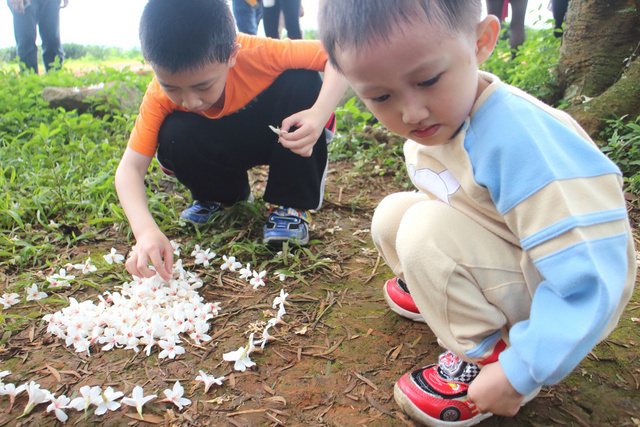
[{"x": 206, "y": 117}]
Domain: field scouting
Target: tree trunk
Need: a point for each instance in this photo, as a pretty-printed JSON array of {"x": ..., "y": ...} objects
[{"x": 598, "y": 60}]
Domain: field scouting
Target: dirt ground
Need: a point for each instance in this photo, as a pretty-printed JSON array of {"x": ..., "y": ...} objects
[{"x": 334, "y": 363}]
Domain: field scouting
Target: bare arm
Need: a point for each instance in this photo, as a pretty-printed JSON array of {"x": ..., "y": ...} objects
[
  {"x": 310, "y": 123},
  {"x": 151, "y": 244}
]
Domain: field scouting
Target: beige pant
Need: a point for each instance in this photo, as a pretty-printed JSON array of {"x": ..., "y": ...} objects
[{"x": 467, "y": 282}]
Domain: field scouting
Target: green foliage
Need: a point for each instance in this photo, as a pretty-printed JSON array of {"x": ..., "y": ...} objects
[
  {"x": 622, "y": 145},
  {"x": 372, "y": 148},
  {"x": 533, "y": 68},
  {"x": 56, "y": 165}
]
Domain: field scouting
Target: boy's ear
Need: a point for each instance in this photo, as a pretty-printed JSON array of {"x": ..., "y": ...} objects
[
  {"x": 487, "y": 36},
  {"x": 234, "y": 55}
]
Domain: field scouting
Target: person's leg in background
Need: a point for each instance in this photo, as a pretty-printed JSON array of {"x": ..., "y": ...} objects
[
  {"x": 559, "y": 9},
  {"x": 271, "y": 19},
  {"x": 518, "y": 13},
  {"x": 247, "y": 16},
  {"x": 291, "y": 12},
  {"x": 24, "y": 29},
  {"x": 49, "y": 27}
]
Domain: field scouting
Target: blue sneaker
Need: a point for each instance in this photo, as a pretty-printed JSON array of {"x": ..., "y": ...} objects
[
  {"x": 285, "y": 224},
  {"x": 200, "y": 212}
]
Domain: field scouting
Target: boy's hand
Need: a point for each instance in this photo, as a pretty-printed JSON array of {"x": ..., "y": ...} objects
[
  {"x": 154, "y": 247},
  {"x": 308, "y": 126},
  {"x": 491, "y": 391}
]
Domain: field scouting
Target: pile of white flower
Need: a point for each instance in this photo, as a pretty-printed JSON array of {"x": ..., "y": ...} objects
[{"x": 145, "y": 312}]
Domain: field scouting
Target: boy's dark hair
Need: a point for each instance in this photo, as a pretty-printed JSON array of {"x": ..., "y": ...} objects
[
  {"x": 179, "y": 35},
  {"x": 363, "y": 23}
]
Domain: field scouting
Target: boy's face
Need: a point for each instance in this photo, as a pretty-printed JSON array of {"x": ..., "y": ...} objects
[
  {"x": 420, "y": 83},
  {"x": 199, "y": 89}
]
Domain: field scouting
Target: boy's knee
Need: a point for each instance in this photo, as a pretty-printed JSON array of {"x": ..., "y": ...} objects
[
  {"x": 390, "y": 212},
  {"x": 424, "y": 222}
]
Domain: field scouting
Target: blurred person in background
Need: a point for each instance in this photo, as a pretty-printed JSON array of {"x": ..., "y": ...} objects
[
  {"x": 500, "y": 8},
  {"x": 291, "y": 10},
  {"x": 248, "y": 14},
  {"x": 45, "y": 16}
]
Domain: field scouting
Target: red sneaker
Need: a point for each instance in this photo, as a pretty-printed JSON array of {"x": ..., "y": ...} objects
[
  {"x": 437, "y": 394},
  {"x": 400, "y": 301}
]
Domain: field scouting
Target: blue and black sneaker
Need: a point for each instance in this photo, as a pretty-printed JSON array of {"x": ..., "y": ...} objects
[
  {"x": 201, "y": 212},
  {"x": 287, "y": 224}
]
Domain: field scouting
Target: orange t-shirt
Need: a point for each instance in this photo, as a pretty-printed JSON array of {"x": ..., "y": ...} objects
[{"x": 260, "y": 61}]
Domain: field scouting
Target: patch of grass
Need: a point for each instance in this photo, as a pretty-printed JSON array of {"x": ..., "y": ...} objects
[{"x": 621, "y": 142}]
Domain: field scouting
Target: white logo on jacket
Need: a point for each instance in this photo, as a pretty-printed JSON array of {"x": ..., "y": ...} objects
[{"x": 442, "y": 185}]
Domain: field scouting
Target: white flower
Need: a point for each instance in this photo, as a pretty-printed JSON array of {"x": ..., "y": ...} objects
[
  {"x": 113, "y": 256},
  {"x": 36, "y": 397},
  {"x": 197, "y": 251},
  {"x": 265, "y": 335},
  {"x": 256, "y": 280},
  {"x": 241, "y": 356},
  {"x": 87, "y": 267},
  {"x": 138, "y": 399},
  {"x": 61, "y": 279},
  {"x": 230, "y": 263},
  {"x": 9, "y": 299},
  {"x": 90, "y": 395},
  {"x": 246, "y": 273},
  {"x": 108, "y": 401},
  {"x": 280, "y": 276},
  {"x": 57, "y": 405},
  {"x": 281, "y": 299},
  {"x": 34, "y": 294},
  {"x": 176, "y": 248},
  {"x": 209, "y": 380},
  {"x": 281, "y": 312},
  {"x": 12, "y": 391},
  {"x": 4, "y": 374},
  {"x": 203, "y": 257},
  {"x": 175, "y": 396},
  {"x": 53, "y": 224},
  {"x": 169, "y": 348},
  {"x": 199, "y": 333}
]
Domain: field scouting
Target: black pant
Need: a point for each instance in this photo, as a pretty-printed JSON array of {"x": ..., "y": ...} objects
[
  {"x": 211, "y": 157},
  {"x": 271, "y": 19}
]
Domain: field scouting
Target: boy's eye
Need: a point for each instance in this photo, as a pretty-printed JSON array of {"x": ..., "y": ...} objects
[
  {"x": 430, "y": 82},
  {"x": 380, "y": 98},
  {"x": 204, "y": 89}
]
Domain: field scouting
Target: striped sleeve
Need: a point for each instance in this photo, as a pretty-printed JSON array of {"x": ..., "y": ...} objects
[{"x": 562, "y": 198}]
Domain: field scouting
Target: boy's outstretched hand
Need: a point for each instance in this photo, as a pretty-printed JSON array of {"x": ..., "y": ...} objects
[
  {"x": 152, "y": 247},
  {"x": 492, "y": 392},
  {"x": 309, "y": 125}
]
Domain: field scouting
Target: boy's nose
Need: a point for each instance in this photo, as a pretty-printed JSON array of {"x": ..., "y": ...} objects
[
  {"x": 191, "y": 102},
  {"x": 414, "y": 111}
]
